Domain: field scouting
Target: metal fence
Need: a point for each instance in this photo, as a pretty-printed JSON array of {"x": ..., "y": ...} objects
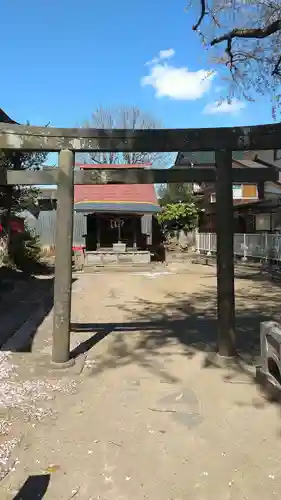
[
  {"x": 45, "y": 227},
  {"x": 256, "y": 246}
]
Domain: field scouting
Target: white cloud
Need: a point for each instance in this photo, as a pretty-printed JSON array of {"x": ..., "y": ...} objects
[
  {"x": 163, "y": 55},
  {"x": 166, "y": 54},
  {"x": 233, "y": 107},
  {"x": 177, "y": 83}
]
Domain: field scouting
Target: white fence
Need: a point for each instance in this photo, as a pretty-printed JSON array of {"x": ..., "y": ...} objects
[{"x": 256, "y": 246}]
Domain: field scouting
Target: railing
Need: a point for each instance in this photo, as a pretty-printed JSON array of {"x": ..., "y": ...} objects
[{"x": 254, "y": 246}]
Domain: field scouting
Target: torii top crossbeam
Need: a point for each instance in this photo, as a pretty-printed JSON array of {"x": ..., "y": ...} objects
[{"x": 29, "y": 138}]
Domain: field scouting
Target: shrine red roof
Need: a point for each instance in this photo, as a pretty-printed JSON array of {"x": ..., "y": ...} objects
[{"x": 115, "y": 197}]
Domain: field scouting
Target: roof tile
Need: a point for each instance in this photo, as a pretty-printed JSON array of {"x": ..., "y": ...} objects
[{"x": 115, "y": 192}]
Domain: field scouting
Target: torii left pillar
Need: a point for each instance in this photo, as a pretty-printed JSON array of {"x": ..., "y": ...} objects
[
  {"x": 63, "y": 260},
  {"x": 225, "y": 256}
]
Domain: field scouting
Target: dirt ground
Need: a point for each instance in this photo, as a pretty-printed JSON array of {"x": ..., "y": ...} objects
[{"x": 150, "y": 416}]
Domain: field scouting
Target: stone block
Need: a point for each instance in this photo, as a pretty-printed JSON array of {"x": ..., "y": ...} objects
[
  {"x": 270, "y": 343},
  {"x": 93, "y": 259},
  {"x": 141, "y": 257},
  {"x": 125, "y": 258},
  {"x": 119, "y": 247},
  {"x": 109, "y": 258}
]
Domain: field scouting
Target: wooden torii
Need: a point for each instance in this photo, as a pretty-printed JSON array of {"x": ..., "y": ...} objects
[{"x": 66, "y": 141}]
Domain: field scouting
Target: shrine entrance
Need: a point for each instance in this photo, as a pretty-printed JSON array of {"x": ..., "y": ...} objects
[
  {"x": 67, "y": 141},
  {"x": 104, "y": 230}
]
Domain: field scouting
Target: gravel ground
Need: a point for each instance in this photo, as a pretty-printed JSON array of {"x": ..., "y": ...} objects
[{"x": 150, "y": 416}]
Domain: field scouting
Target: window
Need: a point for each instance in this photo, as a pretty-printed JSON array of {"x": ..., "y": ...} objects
[
  {"x": 250, "y": 191},
  {"x": 237, "y": 192}
]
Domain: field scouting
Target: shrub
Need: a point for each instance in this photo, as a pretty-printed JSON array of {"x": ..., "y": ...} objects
[{"x": 24, "y": 250}]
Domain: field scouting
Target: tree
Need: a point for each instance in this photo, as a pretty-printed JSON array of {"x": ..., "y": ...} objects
[
  {"x": 175, "y": 193},
  {"x": 126, "y": 117},
  {"x": 179, "y": 213},
  {"x": 245, "y": 36},
  {"x": 14, "y": 199},
  {"x": 177, "y": 217}
]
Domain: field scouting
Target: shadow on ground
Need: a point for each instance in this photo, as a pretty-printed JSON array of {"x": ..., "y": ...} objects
[
  {"x": 190, "y": 321},
  {"x": 34, "y": 487},
  {"x": 21, "y": 294},
  {"x": 13, "y": 280},
  {"x": 24, "y": 295},
  {"x": 32, "y": 309}
]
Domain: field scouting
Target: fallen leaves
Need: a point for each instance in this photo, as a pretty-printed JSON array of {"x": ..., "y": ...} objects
[
  {"x": 23, "y": 398},
  {"x": 52, "y": 468}
]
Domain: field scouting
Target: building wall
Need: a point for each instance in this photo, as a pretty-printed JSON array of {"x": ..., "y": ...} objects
[
  {"x": 241, "y": 192},
  {"x": 272, "y": 190},
  {"x": 241, "y": 224},
  {"x": 272, "y": 157},
  {"x": 45, "y": 227}
]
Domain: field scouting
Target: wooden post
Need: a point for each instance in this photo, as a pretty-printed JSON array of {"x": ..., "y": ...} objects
[
  {"x": 63, "y": 261},
  {"x": 119, "y": 229},
  {"x": 225, "y": 256},
  {"x": 135, "y": 220},
  {"x": 98, "y": 223}
]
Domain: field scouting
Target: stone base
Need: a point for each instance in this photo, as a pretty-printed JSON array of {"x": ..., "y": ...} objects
[
  {"x": 62, "y": 366},
  {"x": 119, "y": 247},
  {"x": 111, "y": 258},
  {"x": 39, "y": 365},
  {"x": 214, "y": 359}
]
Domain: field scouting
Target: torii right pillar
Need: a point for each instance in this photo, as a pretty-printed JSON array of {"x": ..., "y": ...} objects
[{"x": 225, "y": 255}]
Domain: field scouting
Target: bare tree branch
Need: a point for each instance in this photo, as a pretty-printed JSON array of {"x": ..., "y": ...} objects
[
  {"x": 125, "y": 117},
  {"x": 276, "y": 69},
  {"x": 245, "y": 36},
  {"x": 249, "y": 33},
  {"x": 202, "y": 15}
]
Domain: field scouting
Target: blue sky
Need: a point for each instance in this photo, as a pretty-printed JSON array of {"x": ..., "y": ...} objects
[{"x": 62, "y": 59}]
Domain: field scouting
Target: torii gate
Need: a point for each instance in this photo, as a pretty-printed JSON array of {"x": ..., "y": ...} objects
[{"x": 67, "y": 141}]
